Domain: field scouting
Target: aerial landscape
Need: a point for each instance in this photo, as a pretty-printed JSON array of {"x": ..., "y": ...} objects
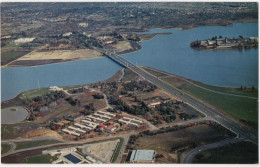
[{"x": 129, "y": 82}]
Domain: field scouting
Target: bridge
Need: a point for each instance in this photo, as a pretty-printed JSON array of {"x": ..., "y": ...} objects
[{"x": 226, "y": 122}]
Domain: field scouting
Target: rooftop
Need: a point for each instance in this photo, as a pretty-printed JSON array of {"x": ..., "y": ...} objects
[{"x": 142, "y": 155}]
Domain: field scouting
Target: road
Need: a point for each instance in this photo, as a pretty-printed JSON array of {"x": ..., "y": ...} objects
[
  {"x": 13, "y": 146},
  {"x": 188, "y": 99},
  {"x": 122, "y": 149},
  {"x": 190, "y": 82},
  {"x": 191, "y": 154}
]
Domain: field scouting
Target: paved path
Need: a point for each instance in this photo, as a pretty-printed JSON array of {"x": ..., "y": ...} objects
[
  {"x": 13, "y": 146},
  {"x": 172, "y": 75},
  {"x": 191, "y": 154},
  {"x": 122, "y": 75}
]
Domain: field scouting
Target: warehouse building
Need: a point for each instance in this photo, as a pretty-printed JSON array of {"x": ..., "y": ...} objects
[{"x": 142, "y": 156}]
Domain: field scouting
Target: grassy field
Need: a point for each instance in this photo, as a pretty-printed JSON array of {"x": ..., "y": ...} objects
[
  {"x": 39, "y": 159},
  {"x": 5, "y": 148},
  {"x": 9, "y": 56},
  {"x": 29, "y": 144},
  {"x": 237, "y": 91},
  {"x": 238, "y": 153},
  {"x": 238, "y": 107},
  {"x": 118, "y": 149},
  {"x": 17, "y": 130},
  {"x": 33, "y": 93}
]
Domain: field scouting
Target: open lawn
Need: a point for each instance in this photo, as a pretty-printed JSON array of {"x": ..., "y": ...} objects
[
  {"x": 29, "y": 144},
  {"x": 5, "y": 147},
  {"x": 238, "y": 107},
  {"x": 34, "y": 93},
  {"x": 238, "y": 153},
  {"x": 237, "y": 91},
  {"x": 39, "y": 159}
]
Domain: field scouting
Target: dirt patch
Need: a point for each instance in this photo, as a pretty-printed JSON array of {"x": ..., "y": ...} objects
[
  {"x": 170, "y": 143},
  {"x": 122, "y": 46},
  {"x": 56, "y": 56},
  {"x": 103, "y": 150},
  {"x": 42, "y": 133}
]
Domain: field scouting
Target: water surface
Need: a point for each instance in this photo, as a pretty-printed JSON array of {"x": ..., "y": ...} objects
[{"x": 171, "y": 53}]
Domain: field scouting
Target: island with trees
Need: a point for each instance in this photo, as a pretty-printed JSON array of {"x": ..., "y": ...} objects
[{"x": 225, "y": 43}]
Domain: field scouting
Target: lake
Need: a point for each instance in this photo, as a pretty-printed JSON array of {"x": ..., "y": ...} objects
[{"x": 171, "y": 53}]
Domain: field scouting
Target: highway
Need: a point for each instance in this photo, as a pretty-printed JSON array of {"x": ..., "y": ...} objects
[{"x": 201, "y": 107}]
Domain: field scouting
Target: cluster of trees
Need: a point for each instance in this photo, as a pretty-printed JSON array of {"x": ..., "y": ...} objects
[
  {"x": 98, "y": 96},
  {"x": 37, "y": 102},
  {"x": 76, "y": 90},
  {"x": 140, "y": 86},
  {"x": 135, "y": 110},
  {"x": 185, "y": 116},
  {"x": 72, "y": 101}
]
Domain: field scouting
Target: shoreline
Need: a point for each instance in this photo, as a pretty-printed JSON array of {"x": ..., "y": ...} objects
[
  {"x": 54, "y": 63},
  {"x": 17, "y": 96},
  {"x": 155, "y": 34}
]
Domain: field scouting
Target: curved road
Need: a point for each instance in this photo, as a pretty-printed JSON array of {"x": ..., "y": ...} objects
[{"x": 191, "y": 154}]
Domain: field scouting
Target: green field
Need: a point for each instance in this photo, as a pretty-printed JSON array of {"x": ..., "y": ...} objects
[
  {"x": 39, "y": 159},
  {"x": 29, "y": 144},
  {"x": 118, "y": 150},
  {"x": 9, "y": 56},
  {"x": 238, "y": 153},
  {"x": 238, "y": 107},
  {"x": 34, "y": 93},
  {"x": 236, "y": 91},
  {"x": 5, "y": 148}
]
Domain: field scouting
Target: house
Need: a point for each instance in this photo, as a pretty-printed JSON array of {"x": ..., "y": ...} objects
[
  {"x": 55, "y": 88},
  {"x": 154, "y": 104},
  {"x": 110, "y": 128}
]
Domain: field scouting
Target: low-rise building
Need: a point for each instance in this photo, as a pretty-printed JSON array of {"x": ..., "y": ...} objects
[{"x": 142, "y": 156}]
